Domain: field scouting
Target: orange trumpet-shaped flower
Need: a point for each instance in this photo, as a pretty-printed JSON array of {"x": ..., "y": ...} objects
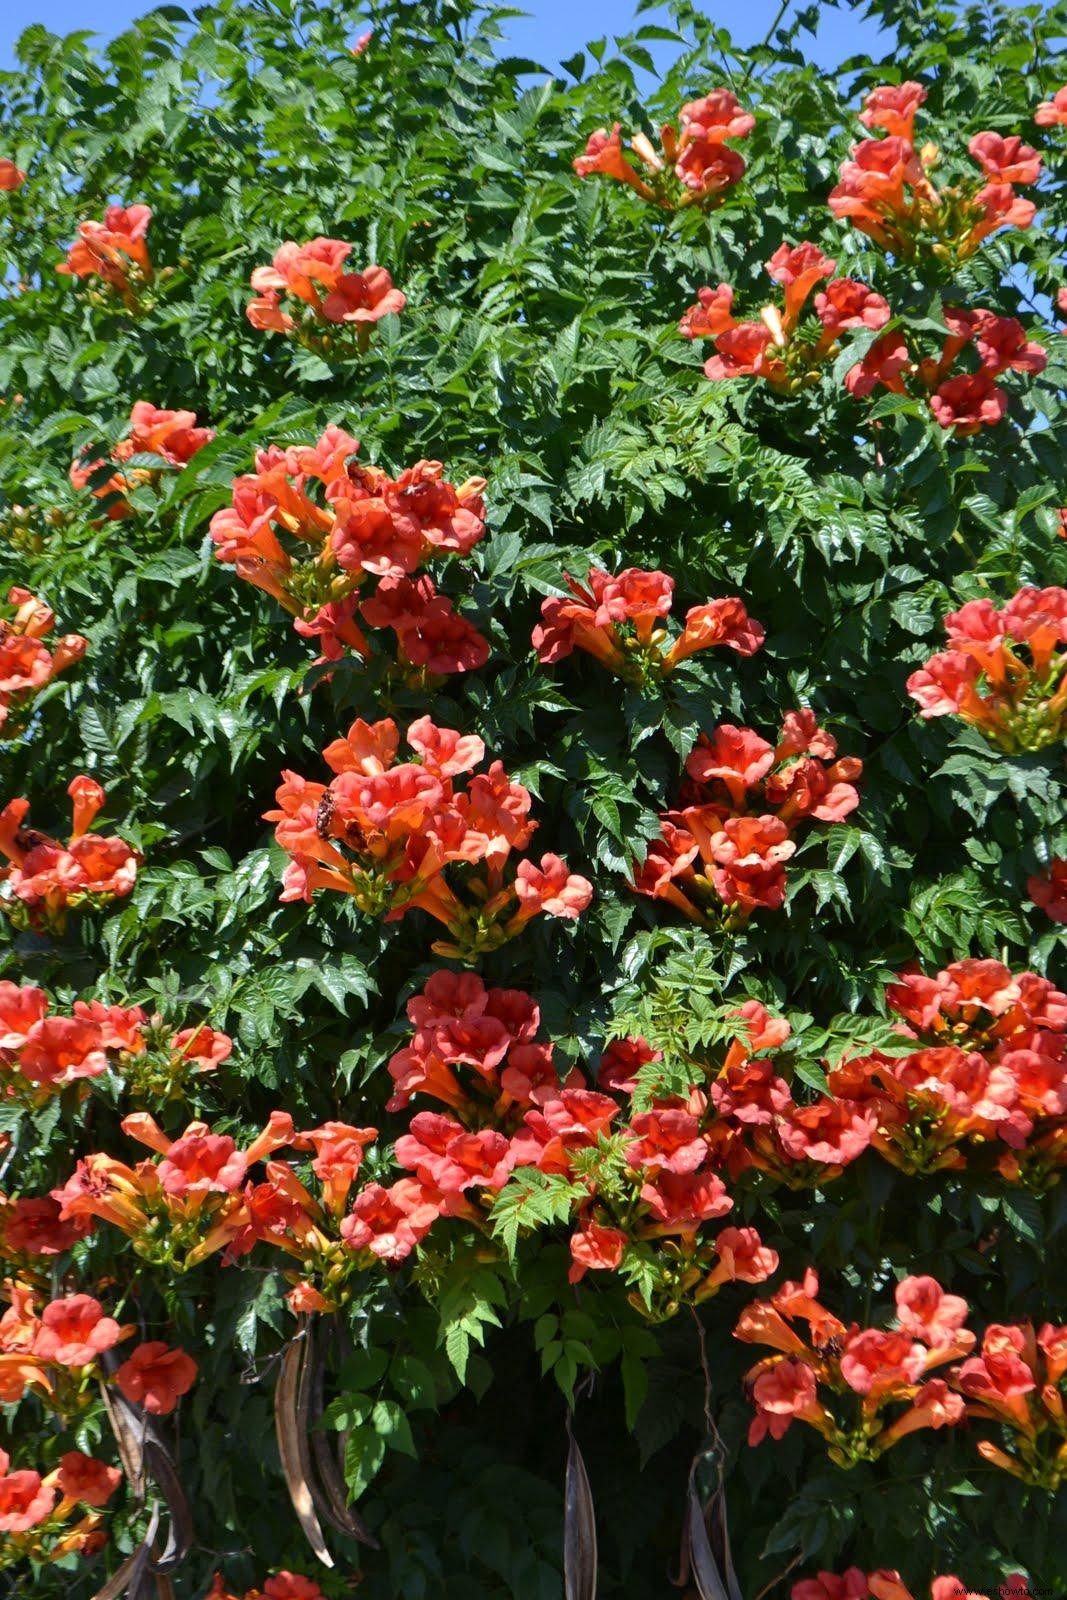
[
  {"x": 1005, "y": 671},
  {"x": 114, "y": 250},
  {"x": 1051, "y": 113},
  {"x": 695, "y": 165},
  {"x": 46, "y": 878},
  {"x": 314, "y": 274},
  {"x": 27, "y": 664}
]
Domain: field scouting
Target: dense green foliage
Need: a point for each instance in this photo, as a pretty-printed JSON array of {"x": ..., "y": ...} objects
[{"x": 539, "y": 349}]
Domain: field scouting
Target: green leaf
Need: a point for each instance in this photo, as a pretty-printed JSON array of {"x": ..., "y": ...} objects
[{"x": 364, "y": 1454}]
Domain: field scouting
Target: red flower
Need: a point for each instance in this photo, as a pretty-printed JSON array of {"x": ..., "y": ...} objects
[
  {"x": 710, "y": 316},
  {"x": 62, "y": 1050},
  {"x": 363, "y": 297},
  {"x": 1050, "y": 112},
  {"x": 423, "y": 503},
  {"x": 603, "y": 154},
  {"x": 833, "y": 1132},
  {"x": 24, "y": 1502},
  {"x": 927, "y": 1313},
  {"x": 47, "y": 876},
  {"x": 11, "y": 177},
  {"x": 444, "y": 1155},
  {"x": 799, "y": 268},
  {"x": 874, "y": 1361},
  {"x": 719, "y": 622},
  {"x": 550, "y": 888},
  {"x": 621, "y": 1062},
  {"x": 1049, "y": 890},
  {"x": 844, "y": 303},
  {"x": 872, "y": 183},
  {"x": 74, "y": 1331},
  {"x": 667, "y": 1139},
  {"x": 740, "y": 351},
  {"x": 748, "y": 852},
  {"x": 850, "y": 1585},
  {"x": 750, "y": 1092},
  {"x": 202, "y": 1047},
  {"x": 717, "y": 116},
  {"x": 634, "y": 596},
  {"x": 680, "y": 1201},
  {"x": 20, "y": 1008},
  {"x": 947, "y": 685},
  {"x": 1002, "y": 344},
  {"x": 1001, "y": 207},
  {"x": 736, "y": 757},
  {"x": 883, "y": 364},
  {"x": 201, "y": 1163},
  {"x": 80, "y": 1477},
  {"x": 33, "y": 1226},
  {"x": 290, "y": 1585},
  {"x": 390, "y": 1222},
  {"x": 968, "y": 403},
  {"x": 743, "y": 1257},
  {"x": 706, "y": 166},
  {"x": 595, "y": 1248},
  {"x": 784, "y": 1393},
  {"x": 892, "y": 108},
  {"x": 1052, "y": 1342},
  {"x": 1005, "y": 160},
  {"x": 314, "y": 273},
  {"x": 108, "y": 249},
  {"x": 171, "y": 435},
  {"x": 156, "y": 1377}
]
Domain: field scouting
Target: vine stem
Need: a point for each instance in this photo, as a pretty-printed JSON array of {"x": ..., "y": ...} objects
[
  {"x": 767, "y": 1587},
  {"x": 768, "y": 36},
  {"x": 709, "y": 1420}
]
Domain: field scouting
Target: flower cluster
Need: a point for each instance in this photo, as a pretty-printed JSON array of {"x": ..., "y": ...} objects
[
  {"x": 368, "y": 526},
  {"x": 633, "y": 1170},
  {"x": 173, "y": 436},
  {"x": 696, "y": 166},
  {"x": 988, "y": 1074},
  {"x": 1016, "y": 1380},
  {"x": 314, "y": 274},
  {"x": 36, "y": 1511},
  {"x": 788, "y": 349},
  {"x": 182, "y": 1208},
  {"x": 387, "y": 833},
  {"x": 783, "y": 347},
  {"x": 966, "y": 401},
  {"x": 26, "y": 662},
  {"x": 885, "y": 191},
  {"x": 42, "y": 1054},
  {"x": 114, "y": 251},
  {"x": 633, "y": 1180},
  {"x": 1004, "y": 671},
  {"x": 46, "y": 879},
  {"x": 58, "y": 1355},
  {"x": 1049, "y": 890},
  {"x": 855, "y": 1584},
  {"x": 633, "y": 1166},
  {"x": 843, "y": 1379},
  {"x": 745, "y": 799},
  {"x": 621, "y": 621}
]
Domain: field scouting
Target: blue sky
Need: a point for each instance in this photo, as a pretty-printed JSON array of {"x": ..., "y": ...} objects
[{"x": 553, "y": 30}]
